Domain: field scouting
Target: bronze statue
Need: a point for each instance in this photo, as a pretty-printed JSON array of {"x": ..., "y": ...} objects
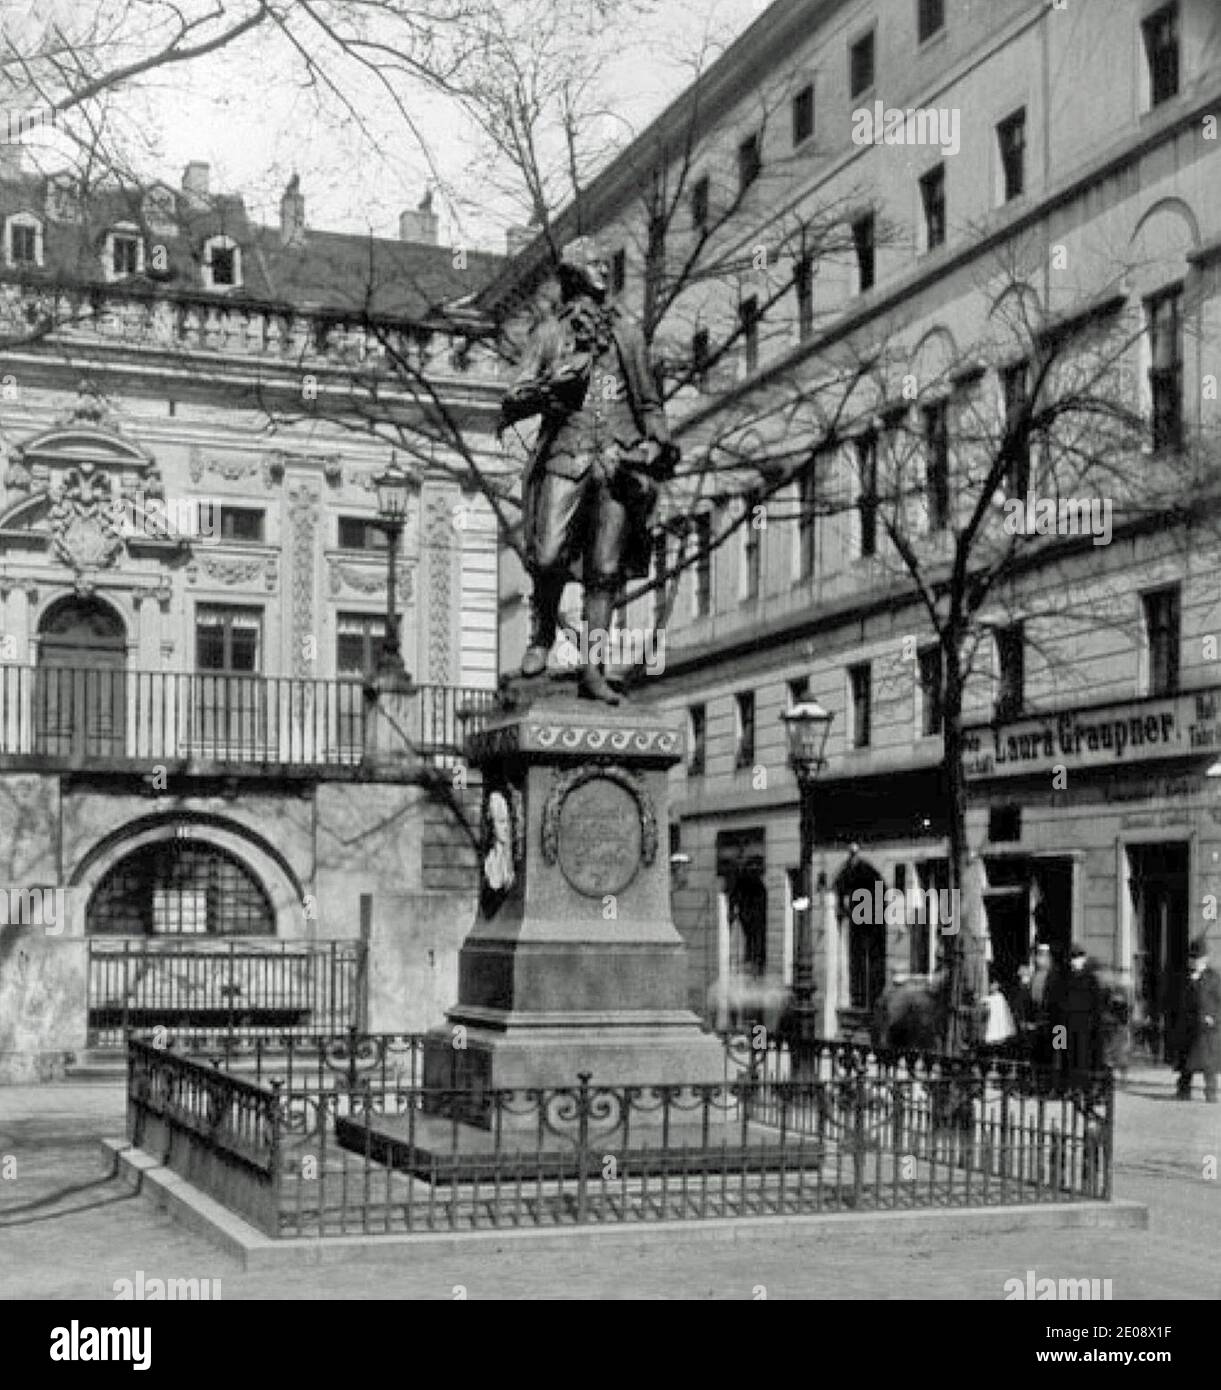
[{"x": 590, "y": 484}]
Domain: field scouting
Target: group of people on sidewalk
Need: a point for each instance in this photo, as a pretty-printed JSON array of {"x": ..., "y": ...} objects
[{"x": 1069, "y": 1025}]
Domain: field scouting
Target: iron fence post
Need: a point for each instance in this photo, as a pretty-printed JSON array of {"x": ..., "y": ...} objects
[
  {"x": 126, "y": 993},
  {"x": 858, "y": 1140},
  {"x": 583, "y": 1104}
]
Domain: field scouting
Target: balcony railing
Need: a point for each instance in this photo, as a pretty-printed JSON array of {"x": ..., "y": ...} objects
[{"x": 87, "y": 716}]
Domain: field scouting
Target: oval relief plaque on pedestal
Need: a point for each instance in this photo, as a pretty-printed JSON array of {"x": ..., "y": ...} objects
[{"x": 600, "y": 837}]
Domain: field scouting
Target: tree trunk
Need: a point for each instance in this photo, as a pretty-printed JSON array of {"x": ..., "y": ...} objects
[{"x": 956, "y": 1037}]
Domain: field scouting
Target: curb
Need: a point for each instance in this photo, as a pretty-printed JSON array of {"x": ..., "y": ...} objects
[{"x": 204, "y": 1216}]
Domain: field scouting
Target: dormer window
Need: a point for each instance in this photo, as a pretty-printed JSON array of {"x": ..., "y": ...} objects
[
  {"x": 222, "y": 263},
  {"x": 124, "y": 253},
  {"x": 23, "y": 240}
]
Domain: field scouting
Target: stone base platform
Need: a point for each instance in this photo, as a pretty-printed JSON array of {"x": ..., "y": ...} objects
[
  {"x": 444, "y": 1151},
  {"x": 556, "y": 1055}
]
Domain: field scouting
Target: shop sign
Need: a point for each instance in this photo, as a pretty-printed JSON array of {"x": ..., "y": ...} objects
[{"x": 1102, "y": 736}]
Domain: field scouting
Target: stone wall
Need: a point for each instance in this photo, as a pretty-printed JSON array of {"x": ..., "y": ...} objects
[{"x": 338, "y": 861}]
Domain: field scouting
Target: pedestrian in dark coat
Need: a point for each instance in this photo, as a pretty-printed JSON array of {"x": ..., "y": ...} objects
[
  {"x": 1199, "y": 1041},
  {"x": 1076, "y": 1021}
]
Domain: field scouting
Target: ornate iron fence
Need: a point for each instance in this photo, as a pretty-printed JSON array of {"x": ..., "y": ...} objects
[{"x": 354, "y": 1144}]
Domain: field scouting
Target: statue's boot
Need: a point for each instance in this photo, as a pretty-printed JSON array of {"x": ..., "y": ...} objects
[
  {"x": 593, "y": 684},
  {"x": 544, "y": 609}
]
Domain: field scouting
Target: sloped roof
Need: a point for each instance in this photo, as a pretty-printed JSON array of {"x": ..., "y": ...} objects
[
  {"x": 330, "y": 272},
  {"x": 342, "y": 272}
]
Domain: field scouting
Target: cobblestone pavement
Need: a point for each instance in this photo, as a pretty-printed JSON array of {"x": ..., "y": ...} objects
[{"x": 68, "y": 1229}]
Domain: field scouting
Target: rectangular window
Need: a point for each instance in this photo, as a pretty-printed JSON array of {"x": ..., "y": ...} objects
[
  {"x": 860, "y": 687},
  {"x": 125, "y": 254},
  {"x": 1162, "y": 637},
  {"x": 867, "y": 502},
  {"x": 1004, "y": 824},
  {"x": 699, "y": 357},
  {"x": 744, "y": 716},
  {"x": 1010, "y": 671},
  {"x": 228, "y": 640},
  {"x": 863, "y": 241},
  {"x": 618, "y": 270},
  {"x": 1161, "y": 32},
  {"x": 1011, "y": 143},
  {"x": 697, "y": 738},
  {"x": 932, "y": 198},
  {"x": 937, "y": 464},
  {"x": 1014, "y": 389},
  {"x": 803, "y": 114},
  {"x": 701, "y": 570},
  {"x": 360, "y": 533},
  {"x": 699, "y": 203},
  {"x": 229, "y": 699},
  {"x": 23, "y": 244},
  {"x": 1164, "y": 318},
  {"x": 930, "y": 18},
  {"x": 224, "y": 265},
  {"x": 358, "y": 643},
  {"x": 750, "y": 162},
  {"x": 807, "y": 518},
  {"x": 803, "y": 285},
  {"x": 751, "y": 552},
  {"x": 244, "y": 524},
  {"x": 931, "y": 704},
  {"x": 860, "y": 65},
  {"x": 748, "y": 314},
  {"x": 799, "y": 690}
]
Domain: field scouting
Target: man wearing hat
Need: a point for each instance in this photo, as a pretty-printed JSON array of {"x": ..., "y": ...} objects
[
  {"x": 1076, "y": 1020},
  {"x": 1199, "y": 1044},
  {"x": 589, "y": 486}
]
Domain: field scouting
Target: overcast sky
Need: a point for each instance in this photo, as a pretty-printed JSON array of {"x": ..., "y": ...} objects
[{"x": 242, "y": 113}]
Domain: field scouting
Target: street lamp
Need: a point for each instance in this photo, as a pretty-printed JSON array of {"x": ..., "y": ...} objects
[
  {"x": 394, "y": 488},
  {"x": 807, "y": 726}
]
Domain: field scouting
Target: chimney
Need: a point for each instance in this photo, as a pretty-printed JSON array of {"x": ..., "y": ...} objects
[
  {"x": 195, "y": 179},
  {"x": 292, "y": 213},
  {"x": 518, "y": 238},
  {"x": 420, "y": 225}
]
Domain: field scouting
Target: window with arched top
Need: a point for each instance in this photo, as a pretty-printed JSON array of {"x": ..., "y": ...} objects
[
  {"x": 180, "y": 886},
  {"x": 23, "y": 240},
  {"x": 222, "y": 263}
]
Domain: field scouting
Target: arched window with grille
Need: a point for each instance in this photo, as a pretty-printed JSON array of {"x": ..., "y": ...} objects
[{"x": 180, "y": 887}]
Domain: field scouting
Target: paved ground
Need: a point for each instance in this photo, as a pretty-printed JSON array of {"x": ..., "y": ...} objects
[{"x": 68, "y": 1229}]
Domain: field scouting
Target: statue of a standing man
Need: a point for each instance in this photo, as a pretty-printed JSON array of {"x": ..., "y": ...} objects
[{"x": 588, "y": 492}]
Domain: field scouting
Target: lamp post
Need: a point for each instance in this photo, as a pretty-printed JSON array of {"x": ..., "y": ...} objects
[
  {"x": 807, "y": 726},
  {"x": 394, "y": 489}
]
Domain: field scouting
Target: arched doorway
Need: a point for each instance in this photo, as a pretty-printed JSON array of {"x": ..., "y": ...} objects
[
  {"x": 865, "y": 927},
  {"x": 80, "y": 694},
  {"x": 168, "y": 900}
]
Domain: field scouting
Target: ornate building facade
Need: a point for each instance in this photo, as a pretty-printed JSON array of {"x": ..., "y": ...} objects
[{"x": 193, "y": 587}]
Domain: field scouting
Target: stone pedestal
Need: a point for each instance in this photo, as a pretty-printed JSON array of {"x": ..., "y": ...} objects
[{"x": 573, "y": 964}]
